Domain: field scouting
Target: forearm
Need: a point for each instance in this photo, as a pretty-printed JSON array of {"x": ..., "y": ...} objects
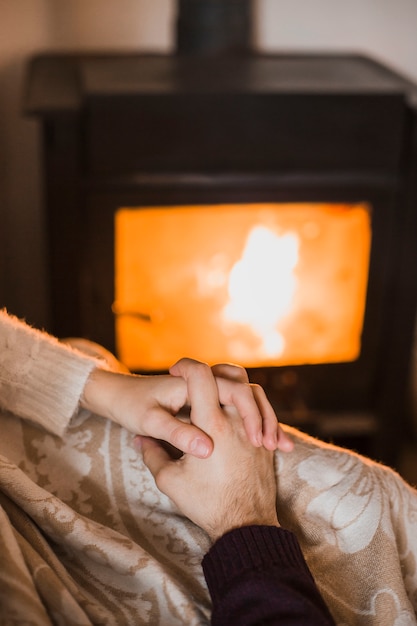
[
  {"x": 40, "y": 379},
  {"x": 257, "y": 575}
]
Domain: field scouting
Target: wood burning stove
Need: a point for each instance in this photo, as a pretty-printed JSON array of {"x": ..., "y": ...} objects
[{"x": 143, "y": 131}]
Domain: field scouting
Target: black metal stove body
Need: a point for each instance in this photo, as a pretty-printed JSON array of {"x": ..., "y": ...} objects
[{"x": 153, "y": 130}]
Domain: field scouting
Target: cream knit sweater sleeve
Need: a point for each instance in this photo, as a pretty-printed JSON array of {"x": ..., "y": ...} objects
[{"x": 40, "y": 378}]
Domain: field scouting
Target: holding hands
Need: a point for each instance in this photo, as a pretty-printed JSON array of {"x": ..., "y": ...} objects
[
  {"x": 148, "y": 405},
  {"x": 235, "y": 486}
]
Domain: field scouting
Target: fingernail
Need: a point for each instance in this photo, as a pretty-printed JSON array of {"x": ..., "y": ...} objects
[{"x": 199, "y": 448}]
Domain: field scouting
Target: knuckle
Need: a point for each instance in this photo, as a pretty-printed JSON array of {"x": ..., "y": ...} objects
[
  {"x": 153, "y": 422},
  {"x": 189, "y": 361},
  {"x": 232, "y": 372},
  {"x": 179, "y": 436},
  {"x": 200, "y": 366},
  {"x": 259, "y": 393},
  {"x": 245, "y": 391},
  {"x": 241, "y": 374}
]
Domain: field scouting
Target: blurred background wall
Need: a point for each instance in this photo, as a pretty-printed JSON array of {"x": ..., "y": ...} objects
[{"x": 381, "y": 28}]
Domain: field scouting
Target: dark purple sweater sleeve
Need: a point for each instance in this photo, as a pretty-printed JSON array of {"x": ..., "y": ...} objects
[{"x": 258, "y": 575}]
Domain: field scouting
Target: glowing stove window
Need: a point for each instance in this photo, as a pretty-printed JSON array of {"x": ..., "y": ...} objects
[{"x": 265, "y": 284}]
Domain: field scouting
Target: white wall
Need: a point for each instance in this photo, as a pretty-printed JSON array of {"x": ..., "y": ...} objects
[
  {"x": 27, "y": 27},
  {"x": 98, "y": 24},
  {"x": 383, "y": 28},
  {"x": 22, "y": 30}
]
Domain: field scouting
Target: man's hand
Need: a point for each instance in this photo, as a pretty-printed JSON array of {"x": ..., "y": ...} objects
[{"x": 235, "y": 486}]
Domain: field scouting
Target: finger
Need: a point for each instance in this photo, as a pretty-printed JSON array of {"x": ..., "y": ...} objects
[
  {"x": 242, "y": 398},
  {"x": 186, "y": 437},
  {"x": 154, "y": 456},
  {"x": 270, "y": 424},
  {"x": 285, "y": 443},
  {"x": 203, "y": 394},
  {"x": 250, "y": 409},
  {"x": 273, "y": 435},
  {"x": 230, "y": 371},
  {"x": 260, "y": 421}
]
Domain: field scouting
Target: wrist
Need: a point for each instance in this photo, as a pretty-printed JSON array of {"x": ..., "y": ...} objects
[
  {"x": 97, "y": 395},
  {"x": 249, "y": 548},
  {"x": 217, "y": 531}
]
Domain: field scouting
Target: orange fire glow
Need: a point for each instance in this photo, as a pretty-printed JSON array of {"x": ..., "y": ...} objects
[
  {"x": 252, "y": 302},
  {"x": 265, "y": 284}
]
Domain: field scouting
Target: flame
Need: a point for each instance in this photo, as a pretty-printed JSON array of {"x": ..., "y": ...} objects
[
  {"x": 252, "y": 301},
  {"x": 260, "y": 285}
]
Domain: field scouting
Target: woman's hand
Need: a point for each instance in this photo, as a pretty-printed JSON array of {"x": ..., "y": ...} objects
[{"x": 146, "y": 405}]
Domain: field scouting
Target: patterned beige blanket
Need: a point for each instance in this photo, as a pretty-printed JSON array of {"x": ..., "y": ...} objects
[{"x": 86, "y": 538}]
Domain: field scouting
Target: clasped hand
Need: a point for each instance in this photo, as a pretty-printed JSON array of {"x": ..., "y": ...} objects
[
  {"x": 235, "y": 486},
  {"x": 148, "y": 405}
]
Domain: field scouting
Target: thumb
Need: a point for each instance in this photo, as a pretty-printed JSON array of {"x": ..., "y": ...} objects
[
  {"x": 182, "y": 435},
  {"x": 159, "y": 462},
  {"x": 154, "y": 455}
]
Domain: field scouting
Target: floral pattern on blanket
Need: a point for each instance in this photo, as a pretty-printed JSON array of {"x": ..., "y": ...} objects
[
  {"x": 356, "y": 521},
  {"x": 349, "y": 496},
  {"x": 86, "y": 537}
]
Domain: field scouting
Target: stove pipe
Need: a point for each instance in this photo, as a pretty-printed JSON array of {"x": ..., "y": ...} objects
[{"x": 212, "y": 27}]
